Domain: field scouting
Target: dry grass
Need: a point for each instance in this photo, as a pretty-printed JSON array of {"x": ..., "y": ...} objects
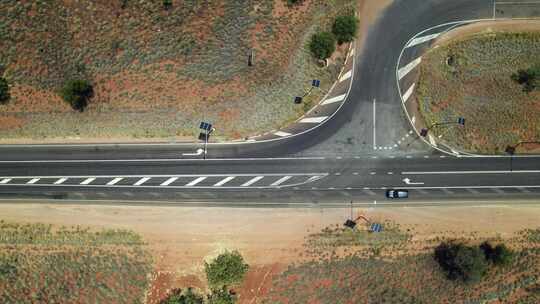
[
  {"x": 478, "y": 86},
  {"x": 158, "y": 72}
]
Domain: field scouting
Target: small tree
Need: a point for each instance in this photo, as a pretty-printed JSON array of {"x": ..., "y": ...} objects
[
  {"x": 322, "y": 45},
  {"x": 226, "y": 270},
  {"x": 4, "y": 91},
  {"x": 461, "y": 262},
  {"x": 76, "y": 93},
  {"x": 221, "y": 296},
  {"x": 529, "y": 79},
  {"x": 167, "y": 4},
  {"x": 345, "y": 28},
  {"x": 499, "y": 255},
  {"x": 293, "y": 2},
  {"x": 177, "y": 296}
]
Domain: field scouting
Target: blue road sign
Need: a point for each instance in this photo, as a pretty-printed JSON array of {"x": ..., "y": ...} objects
[
  {"x": 205, "y": 126},
  {"x": 461, "y": 121},
  {"x": 316, "y": 83}
]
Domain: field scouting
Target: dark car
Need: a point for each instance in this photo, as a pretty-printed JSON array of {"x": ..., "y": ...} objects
[{"x": 397, "y": 193}]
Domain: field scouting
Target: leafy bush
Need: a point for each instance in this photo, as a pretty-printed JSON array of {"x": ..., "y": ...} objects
[
  {"x": 322, "y": 45},
  {"x": 76, "y": 93},
  {"x": 461, "y": 262},
  {"x": 293, "y": 2},
  {"x": 167, "y": 4},
  {"x": 177, "y": 296},
  {"x": 345, "y": 28},
  {"x": 499, "y": 255},
  {"x": 227, "y": 269},
  {"x": 4, "y": 91},
  {"x": 221, "y": 296},
  {"x": 529, "y": 79}
]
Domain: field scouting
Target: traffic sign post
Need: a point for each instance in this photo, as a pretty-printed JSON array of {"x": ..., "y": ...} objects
[{"x": 208, "y": 129}]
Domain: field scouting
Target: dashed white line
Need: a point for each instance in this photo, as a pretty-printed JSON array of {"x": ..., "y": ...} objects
[
  {"x": 313, "y": 119},
  {"x": 334, "y": 99},
  {"x": 281, "y": 181},
  {"x": 224, "y": 181},
  {"x": 408, "y": 68},
  {"x": 33, "y": 181},
  {"x": 169, "y": 181},
  {"x": 196, "y": 181},
  {"x": 141, "y": 181},
  {"x": 87, "y": 181},
  {"x": 114, "y": 181},
  {"x": 60, "y": 181},
  {"x": 252, "y": 181}
]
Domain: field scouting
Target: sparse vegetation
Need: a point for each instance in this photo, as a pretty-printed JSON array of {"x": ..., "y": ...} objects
[
  {"x": 167, "y": 4},
  {"x": 4, "y": 91},
  {"x": 221, "y": 296},
  {"x": 345, "y": 28},
  {"x": 77, "y": 93},
  {"x": 529, "y": 78},
  {"x": 226, "y": 270},
  {"x": 322, "y": 45},
  {"x": 178, "y": 296}
]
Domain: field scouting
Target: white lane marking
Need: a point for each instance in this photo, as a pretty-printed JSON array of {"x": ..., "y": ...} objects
[
  {"x": 281, "y": 181},
  {"x": 141, "y": 181},
  {"x": 282, "y": 134},
  {"x": 409, "y": 182},
  {"x": 61, "y": 180},
  {"x": 313, "y": 119},
  {"x": 432, "y": 140},
  {"x": 413, "y": 119},
  {"x": 88, "y": 181},
  {"x": 471, "y": 172},
  {"x": 374, "y": 125},
  {"x": 224, "y": 181},
  {"x": 408, "y": 93},
  {"x": 33, "y": 181},
  {"x": 252, "y": 181},
  {"x": 155, "y": 160},
  {"x": 408, "y": 68},
  {"x": 351, "y": 53},
  {"x": 196, "y": 181},
  {"x": 422, "y": 39},
  {"x": 5, "y": 180},
  {"x": 313, "y": 178},
  {"x": 169, "y": 181},
  {"x": 114, "y": 181},
  {"x": 334, "y": 99},
  {"x": 368, "y": 191},
  {"x": 346, "y": 76}
]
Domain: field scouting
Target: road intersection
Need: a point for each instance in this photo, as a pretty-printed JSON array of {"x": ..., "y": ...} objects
[{"x": 367, "y": 147}]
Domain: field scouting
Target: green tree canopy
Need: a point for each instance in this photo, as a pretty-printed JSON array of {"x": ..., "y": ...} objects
[
  {"x": 4, "y": 91},
  {"x": 76, "y": 93},
  {"x": 188, "y": 296},
  {"x": 461, "y": 262},
  {"x": 225, "y": 270},
  {"x": 499, "y": 255},
  {"x": 322, "y": 45},
  {"x": 345, "y": 28}
]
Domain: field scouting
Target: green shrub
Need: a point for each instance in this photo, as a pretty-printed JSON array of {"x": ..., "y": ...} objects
[
  {"x": 221, "y": 296},
  {"x": 499, "y": 255},
  {"x": 463, "y": 262},
  {"x": 226, "y": 270},
  {"x": 167, "y": 4},
  {"x": 322, "y": 45},
  {"x": 345, "y": 28},
  {"x": 529, "y": 79},
  {"x": 177, "y": 296},
  {"x": 293, "y": 2},
  {"x": 4, "y": 91},
  {"x": 76, "y": 93}
]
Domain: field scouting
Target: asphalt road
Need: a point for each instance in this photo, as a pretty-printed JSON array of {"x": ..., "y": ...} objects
[{"x": 339, "y": 161}]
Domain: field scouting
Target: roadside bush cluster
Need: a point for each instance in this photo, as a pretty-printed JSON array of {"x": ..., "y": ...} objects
[
  {"x": 77, "y": 93},
  {"x": 344, "y": 29},
  {"x": 470, "y": 263},
  {"x": 529, "y": 78},
  {"x": 227, "y": 270},
  {"x": 293, "y": 2},
  {"x": 4, "y": 91}
]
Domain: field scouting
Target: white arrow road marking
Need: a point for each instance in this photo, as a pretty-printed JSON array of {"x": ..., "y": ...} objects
[
  {"x": 408, "y": 93},
  {"x": 223, "y": 181},
  {"x": 33, "y": 181},
  {"x": 346, "y": 76},
  {"x": 88, "y": 181},
  {"x": 252, "y": 181},
  {"x": 334, "y": 99},
  {"x": 61, "y": 180},
  {"x": 114, "y": 181},
  {"x": 408, "y": 68},
  {"x": 199, "y": 152},
  {"x": 408, "y": 182},
  {"x": 281, "y": 181},
  {"x": 422, "y": 39},
  {"x": 5, "y": 180},
  {"x": 282, "y": 134},
  {"x": 141, "y": 181},
  {"x": 169, "y": 181},
  {"x": 196, "y": 181},
  {"x": 313, "y": 119}
]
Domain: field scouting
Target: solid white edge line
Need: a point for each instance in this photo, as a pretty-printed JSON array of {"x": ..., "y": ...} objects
[
  {"x": 196, "y": 181},
  {"x": 374, "y": 125},
  {"x": 470, "y": 172},
  {"x": 156, "y": 160},
  {"x": 165, "y": 175}
]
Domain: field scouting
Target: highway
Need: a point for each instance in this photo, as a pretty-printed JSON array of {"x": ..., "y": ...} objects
[{"x": 357, "y": 155}]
